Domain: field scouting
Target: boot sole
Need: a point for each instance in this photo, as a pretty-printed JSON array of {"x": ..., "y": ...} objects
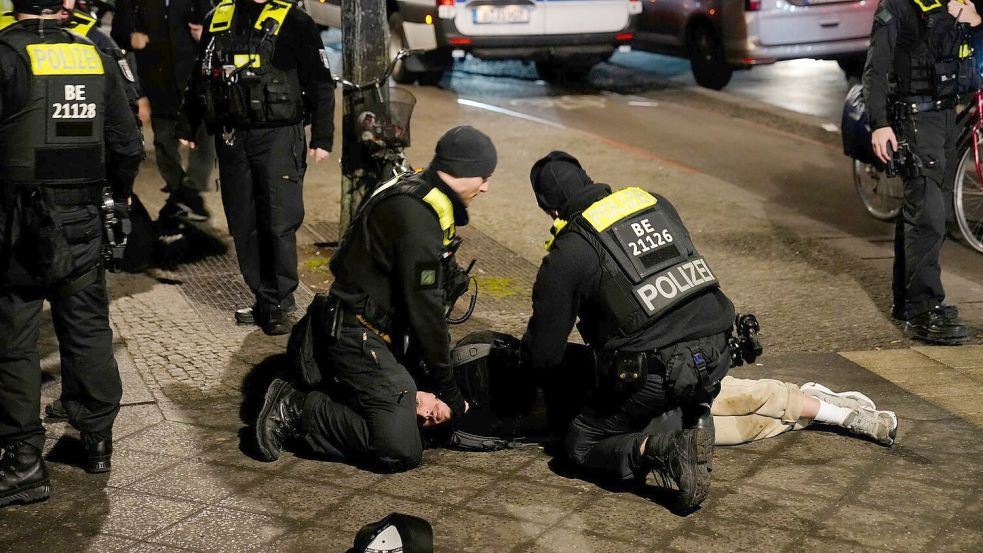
[
  {"x": 39, "y": 492},
  {"x": 700, "y": 442},
  {"x": 269, "y": 401},
  {"x": 98, "y": 466}
]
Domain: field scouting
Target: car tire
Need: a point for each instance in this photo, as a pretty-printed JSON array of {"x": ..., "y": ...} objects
[{"x": 707, "y": 58}]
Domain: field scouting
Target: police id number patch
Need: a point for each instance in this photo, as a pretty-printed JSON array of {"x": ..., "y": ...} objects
[
  {"x": 648, "y": 241},
  {"x": 664, "y": 289},
  {"x": 74, "y": 105}
]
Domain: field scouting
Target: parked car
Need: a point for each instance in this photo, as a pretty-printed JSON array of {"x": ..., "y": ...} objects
[
  {"x": 564, "y": 38},
  {"x": 719, "y": 36}
]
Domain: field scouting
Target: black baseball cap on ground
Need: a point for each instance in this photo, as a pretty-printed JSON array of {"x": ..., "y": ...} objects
[
  {"x": 465, "y": 152},
  {"x": 36, "y": 7},
  {"x": 395, "y": 533}
]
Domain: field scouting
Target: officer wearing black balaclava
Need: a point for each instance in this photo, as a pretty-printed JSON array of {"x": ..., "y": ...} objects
[
  {"x": 382, "y": 332},
  {"x": 262, "y": 75},
  {"x": 650, "y": 308},
  {"x": 919, "y": 67},
  {"x": 65, "y": 132}
]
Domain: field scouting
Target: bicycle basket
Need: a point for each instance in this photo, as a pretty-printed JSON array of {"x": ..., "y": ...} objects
[{"x": 389, "y": 124}]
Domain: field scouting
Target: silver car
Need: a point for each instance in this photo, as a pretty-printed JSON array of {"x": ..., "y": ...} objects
[{"x": 719, "y": 36}]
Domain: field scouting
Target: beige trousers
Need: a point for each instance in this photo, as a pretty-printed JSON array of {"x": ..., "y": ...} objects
[{"x": 749, "y": 410}]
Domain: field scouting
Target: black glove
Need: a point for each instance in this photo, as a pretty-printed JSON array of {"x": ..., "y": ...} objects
[{"x": 451, "y": 395}]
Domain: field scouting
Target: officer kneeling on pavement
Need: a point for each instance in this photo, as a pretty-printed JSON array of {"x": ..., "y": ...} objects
[
  {"x": 651, "y": 310},
  {"x": 363, "y": 349},
  {"x": 65, "y": 130},
  {"x": 919, "y": 67},
  {"x": 262, "y": 73}
]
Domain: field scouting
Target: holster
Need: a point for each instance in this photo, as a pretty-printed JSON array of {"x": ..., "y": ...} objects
[{"x": 621, "y": 372}]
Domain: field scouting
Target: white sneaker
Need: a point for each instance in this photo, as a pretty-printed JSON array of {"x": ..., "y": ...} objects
[
  {"x": 880, "y": 426},
  {"x": 850, "y": 400}
]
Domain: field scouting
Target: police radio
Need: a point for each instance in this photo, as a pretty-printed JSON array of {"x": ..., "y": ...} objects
[
  {"x": 116, "y": 229},
  {"x": 745, "y": 347}
]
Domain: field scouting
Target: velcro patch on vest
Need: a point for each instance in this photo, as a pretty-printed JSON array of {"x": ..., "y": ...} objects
[
  {"x": 664, "y": 289},
  {"x": 883, "y": 16},
  {"x": 428, "y": 275},
  {"x": 64, "y": 59}
]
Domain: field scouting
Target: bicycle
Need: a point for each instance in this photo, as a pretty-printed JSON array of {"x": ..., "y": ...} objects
[{"x": 382, "y": 124}]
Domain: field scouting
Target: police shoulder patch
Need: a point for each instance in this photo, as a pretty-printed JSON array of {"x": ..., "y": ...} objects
[
  {"x": 883, "y": 15},
  {"x": 324, "y": 58},
  {"x": 125, "y": 70},
  {"x": 428, "y": 275}
]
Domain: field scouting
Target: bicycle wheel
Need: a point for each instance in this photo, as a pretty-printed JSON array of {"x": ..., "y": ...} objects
[
  {"x": 968, "y": 201},
  {"x": 881, "y": 196}
]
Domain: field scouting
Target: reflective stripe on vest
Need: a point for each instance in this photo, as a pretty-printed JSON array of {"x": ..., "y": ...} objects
[
  {"x": 617, "y": 206},
  {"x": 64, "y": 59},
  {"x": 274, "y": 9},
  {"x": 81, "y": 23},
  {"x": 442, "y": 206}
]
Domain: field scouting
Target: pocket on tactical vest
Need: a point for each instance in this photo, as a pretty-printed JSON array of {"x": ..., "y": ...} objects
[{"x": 279, "y": 104}]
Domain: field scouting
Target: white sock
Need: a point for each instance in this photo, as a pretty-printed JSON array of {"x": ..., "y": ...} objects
[{"x": 831, "y": 414}]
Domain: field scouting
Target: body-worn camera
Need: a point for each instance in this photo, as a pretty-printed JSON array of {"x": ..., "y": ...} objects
[
  {"x": 115, "y": 229},
  {"x": 744, "y": 344}
]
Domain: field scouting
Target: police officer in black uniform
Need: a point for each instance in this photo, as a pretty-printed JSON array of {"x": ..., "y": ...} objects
[
  {"x": 262, "y": 72},
  {"x": 919, "y": 66},
  {"x": 395, "y": 280},
  {"x": 651, "y": 310},
  {"x": 65, "y": 131}
]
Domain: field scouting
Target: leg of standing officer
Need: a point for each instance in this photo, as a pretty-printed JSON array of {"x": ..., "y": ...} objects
[
  {"x": 278, "y": 161},
  {"x": 167, "y": 153},
  {"x": 239, "y": 201},
  {"x": 20, "y": 367}
]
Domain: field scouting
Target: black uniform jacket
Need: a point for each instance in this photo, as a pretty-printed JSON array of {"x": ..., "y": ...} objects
[
  {"x": 403, "y": 238},
  {"x": 898, "y": 29},
  {"x": 567, "y": 287},
  {"x": 298, "y": 46},
  {"x": 165, "y": 64},
  {"x": 124, "y": 143}
]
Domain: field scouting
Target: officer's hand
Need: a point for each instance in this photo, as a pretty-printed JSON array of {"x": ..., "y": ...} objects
[
  {"x": 139, "y": 41},
  {"x": 319, "y": 154},
  {"x": 885, "y": 143},
  {"x": 195, "y": 31},
  {"x": 189, "y": 143},
  {"x": 964, "y": 13}
]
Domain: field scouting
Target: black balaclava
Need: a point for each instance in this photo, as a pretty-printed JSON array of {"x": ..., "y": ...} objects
[
  {"x": 561, "y": 184},
  {"x": 37, "y": 7}
]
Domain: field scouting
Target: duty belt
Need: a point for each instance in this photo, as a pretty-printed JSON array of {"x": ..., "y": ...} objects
[
  {"x": 922, "y": 104},
  {"x": 354, "y": 319}
]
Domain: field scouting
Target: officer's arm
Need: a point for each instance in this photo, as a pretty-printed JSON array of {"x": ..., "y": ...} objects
[
  {"x": 555, "y": 304},
  {"x": 417, "y": 244},
  {"x": 124, "y": 143},
  {"x": 189, "y": 114},
  {"x": 316, "y": 83},
  {"x": 880, "y": 64}
]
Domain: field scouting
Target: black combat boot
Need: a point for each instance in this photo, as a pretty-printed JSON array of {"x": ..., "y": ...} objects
[
  {"x": 279, "y": 420},
  {"x": 23, "y": 477},
  {"x": 937, "y": 326},
  {"x": 678, "y": 460},
  {"x": 98, "y": 453}
]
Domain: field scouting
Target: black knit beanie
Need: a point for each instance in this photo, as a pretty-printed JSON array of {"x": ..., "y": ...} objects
[
  {"x": 465, "y": 152},
  {"x": 557, "y": 179},
  {"x": 36, "y": 7}
]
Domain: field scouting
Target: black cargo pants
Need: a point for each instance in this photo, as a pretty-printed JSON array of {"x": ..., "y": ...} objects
[
  {"x": 91, "y": 388},
  {"x": 606, "y": 436},
  {"x": 194, "y": 179},
  {"x": 367, "y": 411},
  {"x": 262, "y": 180},
  {"x": 920, "y": 228}
]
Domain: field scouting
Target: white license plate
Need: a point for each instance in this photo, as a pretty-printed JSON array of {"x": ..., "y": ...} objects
[{"x": 501, "y": 14}]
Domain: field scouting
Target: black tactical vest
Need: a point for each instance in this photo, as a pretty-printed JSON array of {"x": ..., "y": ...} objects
[
  {"x": 942, "y": 64},
  {"x": 239, "y": 86},
  {"x": 649, "y": 264},
  {"x": 57, "y": 138},
  {"x": 416, "y": 186}
]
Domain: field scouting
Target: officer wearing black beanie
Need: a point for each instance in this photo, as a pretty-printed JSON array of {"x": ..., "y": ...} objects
[
  {"x": 395, "y": 276},
  {"x": 649, "y": 307}
]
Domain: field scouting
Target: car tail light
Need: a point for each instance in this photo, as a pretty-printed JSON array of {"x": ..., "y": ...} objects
[
  {"x": 624, "y": 37},
  {"x": 445, "y": 9},
  {"x": 459, "y": 41},
  {"x": 634, "y": 7},
  {"x": 752, "y": 5}
]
